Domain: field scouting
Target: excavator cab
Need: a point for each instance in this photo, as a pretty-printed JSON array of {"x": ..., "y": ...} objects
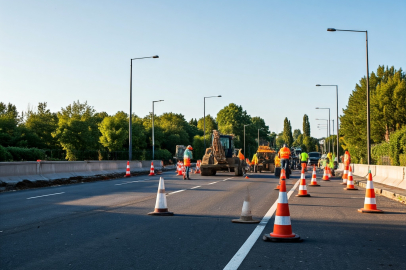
[{"x": 227, "y": 144}]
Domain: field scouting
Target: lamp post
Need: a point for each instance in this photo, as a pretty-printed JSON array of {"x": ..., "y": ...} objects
[
  {"x": 130, "y": 134},
  {"x": 326, "y": 128},
  {"x": 153, "y": 139},
  {"x": 338, "y": 142},
  {"x": 204, "y": 119},
  {"x": 329, "y": 144},
  {"x": 368, "y": 111},
  {"x": 244, "y": 139}
]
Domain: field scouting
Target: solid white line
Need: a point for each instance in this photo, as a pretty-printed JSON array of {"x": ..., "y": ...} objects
[
  {"x": 195, "y": 187},
  {"x": 45, "y": 195},
  {"x": 236, "y": 261},
  {"x": 176, "y": 191}
]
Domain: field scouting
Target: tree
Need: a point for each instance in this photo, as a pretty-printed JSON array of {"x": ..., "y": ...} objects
[
  {"x": 296, "y": 134},
  {"x": 287, "y": 132},
  {"x": 259, "y": 124},
  {"x": 306, "y": 126},
  {"x": 114, "y": 131},
  {"x": 211, "y": 124},
  {"x": 77, "y": 130},
  {"x": 43, "y": 122}
]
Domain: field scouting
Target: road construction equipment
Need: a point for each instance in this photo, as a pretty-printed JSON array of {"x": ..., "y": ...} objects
[
  {"x": 266, "y": 159},
  {"x": 220, "y": 156}
]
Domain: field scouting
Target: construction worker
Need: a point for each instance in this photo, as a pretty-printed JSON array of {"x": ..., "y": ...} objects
[
  {"x": 254, "y": 161},
  {"x": 187, "y": 156},
  {"x": 284, "y": 155},
  {"x": 241, "y": 158},
  {"x": 304, "y": 157}
]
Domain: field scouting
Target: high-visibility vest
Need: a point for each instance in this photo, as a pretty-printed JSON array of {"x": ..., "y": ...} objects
[
  {"x": 284, "y": 153},
  {"x": 240, "y": 155}
]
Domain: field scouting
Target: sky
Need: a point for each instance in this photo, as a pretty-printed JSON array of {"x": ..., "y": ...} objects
[{"x": 266, "y": 56}]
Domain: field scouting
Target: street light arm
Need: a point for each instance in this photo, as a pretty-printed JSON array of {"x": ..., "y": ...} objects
[
  {"x": 333, "y": 30},
  {"x": 155, "y": 56}
]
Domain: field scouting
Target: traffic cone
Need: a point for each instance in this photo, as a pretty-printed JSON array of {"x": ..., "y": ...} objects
[
  {"x": 325, "y": 175},
  {"x": 161, "y": 207},
  {"x": 198, "y": 167},
  {"x": 345, "y": 175},
  {"x": 370, "y": 201},
  {"x": 282, "y": 230},
  {"x": 127, "y": 171},
  {"x": 350, "y": 181},
  {"x": 152, "y": 170},
  {"x": 329, "y": 172},
  {"x": 282, "y": 177},
  {"x": 302, "y": 186},
  {"x": 314, "y": 178},
  {"x": 246, "y": 216}
]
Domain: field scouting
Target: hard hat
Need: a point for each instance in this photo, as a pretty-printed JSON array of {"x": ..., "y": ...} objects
[
  {"x": 284, "y": 145},
  {"x": 190, "y": 147}
]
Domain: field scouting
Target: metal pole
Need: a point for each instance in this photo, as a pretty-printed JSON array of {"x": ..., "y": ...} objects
[
  {"x": 258, "y": 138},
  {"x": 130, "y": 148},
  {"x": 333, "y": 135},
  {"x": 368, "y": 114},
  {"x": 244, "y": 141},
  {"x": 338, "y": 154},
  {"x": 153, "y": 140},
  {"x": 204, "y": 123},
  {"x": 329, "y": 134}
]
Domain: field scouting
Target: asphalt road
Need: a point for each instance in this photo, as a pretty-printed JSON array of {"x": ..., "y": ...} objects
[{"x": 104, "y": 225}]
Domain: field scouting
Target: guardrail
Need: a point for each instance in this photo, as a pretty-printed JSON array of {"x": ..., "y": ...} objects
[
  {"x": 49, "y": 170},
  {"x": 389, "y": 175}
]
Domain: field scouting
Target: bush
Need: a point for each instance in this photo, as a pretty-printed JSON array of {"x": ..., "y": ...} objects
[
  {"x": 26, "y": 154},
  {"x": 397, "y": 145},
  {"x": 5, "y": 155}
]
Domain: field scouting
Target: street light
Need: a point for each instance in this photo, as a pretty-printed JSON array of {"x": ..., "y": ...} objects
[
  {"x": 153, "y": 139},
  {"x": 204, "y": 119},
  {"x": 368, "y": 111},
  {"x": 329, "y": 148},
  {"x": 244, "y": 139},
  {"x": 130, "y": 133},
  {"x": 326, "y": 126},
  {"x": 337, "y": 115}
]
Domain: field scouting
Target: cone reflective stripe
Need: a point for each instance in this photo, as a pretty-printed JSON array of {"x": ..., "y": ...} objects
[
  {"x": 127, "y": 171},
  {"x": 246, "y": 216},
  {"x": 198, "y": 166},
  {"x": 350, "y": 181},
  {"x": 302, "y": 186},
  {"x": 314, "y": 178},
  {"x": 152, "y": 170},
  {"x": 325, "y": 175},
  {"x": 345, "y": 174},
  {"x": 370, "y": 201},
  {"x": 161, "y": 207},
  {"x": 282, "y": 230}
]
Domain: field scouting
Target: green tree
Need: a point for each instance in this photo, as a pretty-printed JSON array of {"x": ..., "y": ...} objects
[
  {"x": 296, "y": 134},
  {"x": 211, "y": 124},
  {"x": 77, "y": 130},
  {"x": 8, "y": 123},
  {"x": 259, "y": 124},
  {"x": 306, "y": 126},
  {"x": 114, "y": 131},
  {"x": 287, "y": 132}
]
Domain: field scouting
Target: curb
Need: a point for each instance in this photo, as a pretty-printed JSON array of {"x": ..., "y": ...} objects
[{"x": 388, "y": 194}]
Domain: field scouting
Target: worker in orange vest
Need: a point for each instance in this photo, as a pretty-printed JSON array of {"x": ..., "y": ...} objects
[
  {"x": 187, "y": 156},
  {"x": 241, "y": 158},
  {"x": 284, "y": 155}
]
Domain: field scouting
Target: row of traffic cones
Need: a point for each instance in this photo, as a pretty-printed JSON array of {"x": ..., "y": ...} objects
[{"x": 128, "y": 171}]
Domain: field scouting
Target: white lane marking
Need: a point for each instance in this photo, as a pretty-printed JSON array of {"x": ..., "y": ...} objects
[
  {"x": 236, "y": 261},
  {"x": 212, "y": 183},
  {"x": 45, "y": 195},
  {"x": 228, "y": 178},
  {"x": 195, "y": 187},
  {"x": 176, "y": 191},
  {"x": 136, "y": 181}
]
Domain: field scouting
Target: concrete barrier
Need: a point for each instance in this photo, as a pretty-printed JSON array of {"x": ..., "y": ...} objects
[{"x": 14, "y": 172}]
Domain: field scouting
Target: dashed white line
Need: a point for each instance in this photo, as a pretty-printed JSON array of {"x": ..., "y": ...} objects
[
  {"x": 195, "y": 187},
  {"x": 176, "y": 191},
  {"x": 45, "y": 195},
  {"x": 236, "y": 261},
  {"x": 228, "y": 178},
  {"x": 212, "y": 183}
]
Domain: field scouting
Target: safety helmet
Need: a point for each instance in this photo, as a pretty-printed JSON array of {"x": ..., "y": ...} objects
[
  {"x": 190, "y": 147},
  {"x": 284, "y": 145}
]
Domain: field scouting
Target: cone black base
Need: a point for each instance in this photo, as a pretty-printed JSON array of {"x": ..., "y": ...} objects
[
  {"x": 160, "y": 213},
  {"x": 350, "y": 188},
  {"x": 362, "y": 210},
  {"x": 307, "y": 195},
  {"x": 314, "y": 185},
  {"x": 247, "y": 220},
  {"x": 269, "y": 238}
]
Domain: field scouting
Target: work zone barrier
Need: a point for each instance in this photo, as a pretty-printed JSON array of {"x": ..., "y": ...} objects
[
  {"x": 13, "y": 172},
  {"x": 389, "y": 175}
]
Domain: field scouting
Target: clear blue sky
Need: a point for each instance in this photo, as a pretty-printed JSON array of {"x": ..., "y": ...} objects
[{"x": 264, "y": 55}]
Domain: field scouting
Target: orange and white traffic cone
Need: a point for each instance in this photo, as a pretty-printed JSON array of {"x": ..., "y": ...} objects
[
  {"x": 350, "y": 181},
  {"x": 197, "y": 167},
  {"x": 345, "y": 175},
  {"x": 127, "y": 171},
  {"x": 314, "y": 178},
  {"x": 302, "y": 185},
  {"x": 152, "y": 170},
  {"x": 282, "y": 177},
  {"x": 329, "y": 172},
  {"x": 370, "y": 201},
  {"x": 161, "y": 207},
  {"x": 325, "y": 175},
  {"x": 282, "y": 230}
]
